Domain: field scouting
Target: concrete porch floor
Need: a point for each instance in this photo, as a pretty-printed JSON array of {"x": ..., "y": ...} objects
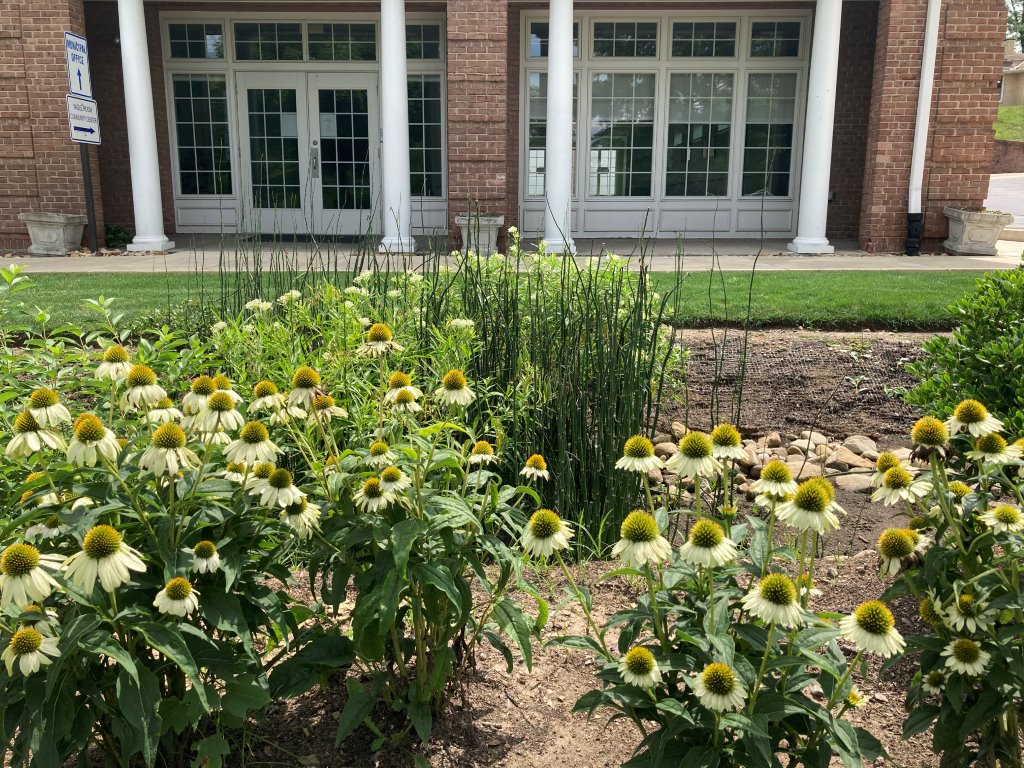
[{"x": 207, "y": 253}]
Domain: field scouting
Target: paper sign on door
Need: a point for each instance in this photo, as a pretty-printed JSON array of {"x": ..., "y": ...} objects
[{"x": 328, "y": 126}]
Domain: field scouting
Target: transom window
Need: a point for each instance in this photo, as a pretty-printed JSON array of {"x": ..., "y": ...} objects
[
  {"x": 768, "y": 150},
  {"x": 196, "y": 41},
  {"x": 201, "y": 129},
  {"x": 699, "y": 135},
  {"x": 704, "y": 38},
  {"x": 621, "y": 134},
  {"x": 775, "y": 39},
  {"x": 626, "y": 39},
  {"x": 423, "y": 41},
  {"x": 539, "y": 34},
  {"x": 268, "y": 41},
  {"x": 342, "y": 42}
]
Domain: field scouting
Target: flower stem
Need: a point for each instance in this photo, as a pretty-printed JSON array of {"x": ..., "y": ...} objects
[{"x": 764, "y": 663}]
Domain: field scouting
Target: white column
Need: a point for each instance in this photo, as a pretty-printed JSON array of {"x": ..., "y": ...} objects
[
  {"x": 558, "y": 149},
  {"x": 142, "y": 152},
  {"x": 394, "y": 115},
  {"x": 821, "y": 111}
]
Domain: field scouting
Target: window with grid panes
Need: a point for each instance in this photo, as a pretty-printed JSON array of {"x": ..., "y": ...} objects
[
  {"x": 426, "y": 137},
  {"x": 704, "y": 39},
  {"x": 196, "y": 41},
  {"x": 539, "y": 34},
  {"x": 342, "y": 42},
  {"x": 268, "y": 41},
  {"x": 423, "y": 41},
  {"x": 537, "y": 140},
  {"x": 768, "y": 146},
  {"x": 699, "y": 135},
  {"x": 621, "y": 134},
  {"x": 628, "y": 39},
  {"x": 775, "y": 39},
  {"x": 201, "y": 129}
]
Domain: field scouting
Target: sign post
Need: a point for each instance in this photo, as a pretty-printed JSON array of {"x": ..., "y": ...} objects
[{"x": 83, "y": 118}]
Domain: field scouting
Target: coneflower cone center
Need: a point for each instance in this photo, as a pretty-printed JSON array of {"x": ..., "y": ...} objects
[
  {"x": 101, "y": 541},
  {"x": 936, "y": 679},
  {"x": 322, "y": 402},
  {"x": 454, "y": 380},
  {"x": 639, "y": 527},
  {"x": 483, "y": 448},
  {"x": 990, "y": 444},
  {"x": 305, "y": 378},
  {"x": 776, "y": 472},
  {"x": 115, "y": 354},
  {"x": 378, "y": 448},
  {"x": 391, "y": 475},
  {"x": 898, "y": 478},
  {"x": 640, "y": 661},
  {"x": 264, "y": 389},
  {"x": 958, "y": 489},
  {"x": 536, "y": 461},
  {"x": 178, "y": 588},
  {"x": 695, "y": 445},
  {"x": 639, "y": 447},
  {"x": 725, "y": 436},
  {"x": 26, "y": 640},
  {"x": 811, "y": 497},
  {"x": 399, "y": 380},
  {"x": 220, "y": 381},
  {"x": 19, "y": 560},
  {"x": 929, "y": 431},
  {"x": 169, "y": 437},
  {"x": 875, "y": 618},
  {"x": 404, "y": 397},
  {"x": 280, "y": 479},
  {"x": 965, "y": 604},
  {"x": 203, "y": 385},
  {"x": 719, "y": 679},
  {"x": 89, "y": 428},
  {"x": 254, "y": 433},
  {"x": 25, "y": 422},
  {"x": 372, "y": 489},
  {"x": 926, "y": 610},
  {"x": 887, "y": 461},
  {"x": 53, "y": 521},
  {"x": 895, "y": 544},
  {"x": 42, "y": 398},
  {"x": 706, "y": 534},
  {"x": 263, "y": 471},
  {"x": 970, "y": 412},
  {"x": 966, "y": 651},
  {"x": 141, "y": 376},
  {"x": 778, "y": 589},
  {"x": 204, "y": 550},
  {"x": 379, "y": 332},
  {"x": 544, "y": 524},
  {"x": 1006, "y": 514},
  {"x": 220, "y": 401}
]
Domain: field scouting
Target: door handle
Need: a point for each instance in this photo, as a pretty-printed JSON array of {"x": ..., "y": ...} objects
[{"x": 314, "y": 162}]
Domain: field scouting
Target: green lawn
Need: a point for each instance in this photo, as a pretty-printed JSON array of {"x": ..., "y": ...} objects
[
  {"x": 1010, "y": 124},
  {"x": 841, "y": 300}
]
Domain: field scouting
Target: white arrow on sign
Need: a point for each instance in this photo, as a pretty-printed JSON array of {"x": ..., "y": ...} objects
[
  {"x": 83, "y": 120},
  {"x": 76, "y": 50}
]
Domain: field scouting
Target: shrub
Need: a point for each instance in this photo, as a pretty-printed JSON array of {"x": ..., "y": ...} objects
[{"x": 984, "y": 356}]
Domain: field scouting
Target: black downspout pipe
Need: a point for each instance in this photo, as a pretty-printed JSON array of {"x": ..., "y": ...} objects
[{"x": 915, "y": 231}]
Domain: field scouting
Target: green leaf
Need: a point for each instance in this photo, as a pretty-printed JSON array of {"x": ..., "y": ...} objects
[
  {"x": 224, "y": 611},
  {"x": 211, "y": 751},
  {"x": 404, "y": 535},
  {"x": 103, "y": 644},
  {"x": 170, "y": 643},
  {"x": 419, "y": 714},
  {"x": 138, "y": 699},
  {"x": 243, "y": 694},
  {"x": 297, "y": 674},
  {"x": 513, "y": 622},
  {"x": 357, "y": 708},
  {"x": 985, "y": 709},
  {"x": 701, "y": 757},
  {"x": 920, "y": 720}
]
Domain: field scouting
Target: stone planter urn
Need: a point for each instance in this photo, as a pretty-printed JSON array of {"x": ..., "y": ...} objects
[
  {"x": 54, "y": 234},
  {"x": 480, "y": 232},
  {"x": 974, "y": 233}
]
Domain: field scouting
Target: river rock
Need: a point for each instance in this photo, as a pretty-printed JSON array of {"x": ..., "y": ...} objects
[
  {"x": 844, "y": 459},
  {"x": 858, "y": 483},
  {"x": 773, "y": 440},
  {"x": 801, "y": 470},
  {"x": 859, "y": 443},
  {"x": 815, "y": 438},
  {"x": 678, "y": 430},
  {"x": 665, "y": 450}
]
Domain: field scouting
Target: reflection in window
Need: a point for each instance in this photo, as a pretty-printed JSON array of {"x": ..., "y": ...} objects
[
  {"x": 274, "y": 147},
  {"x": 539, "y": 39},
  {"x": 775, "y": 38},
  {"x": 196, "y": 41},
  {"x": 268, "y": 41},
  {"x": 345, "y": 148},
  {"x": 342, "y": 42},
  {"x": 699, "y": 135},
  {"x": 537, "y": 140},
  {"x": 423, "y": 41},
  {"x": 768, "y": 147},
  {"x": 426, "y": 145},
  {"x": 703, "y": 39},
  {"x": 621, "y": 134},
  {"x": 201, "y": 128},
  {"x": 626, "y": 38}
]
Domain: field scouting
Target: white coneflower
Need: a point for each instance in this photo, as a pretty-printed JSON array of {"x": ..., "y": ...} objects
[
  {"x": 142, "y": 390},
  {"x": 286, "y": 414},
  {"x": 277, "y": 490},
  {"x": 805, "y": 586},
  {"x": 234, "y": 472},
  {"x": 707, "y": 545},
  {"x": 49, "y": 527},
  {"x": 261, "y": 472},
  {"x": 775, "y": 601},
  {"x": 266, "y": 397},
  {"x": 641, "y": 541},
  {"x": 29, "y": 651},
  {"x": 105, "y": 556},
  {"x": 898, "y": 485},
  {"x": 30, "y": 437},
  {"x": 992, "y": 449},
  {"x": 217, "y": 437},
  {"x": 289, "y": 297},
  {"x": 379, "y": 341},
  {"x": 177, "y": 598},
  {"x": 23, "y": 576},
  {"x": 727, "y": 443},
  {"x": 48, "y": 499},
  {"x": 405, "y": 401},
  {"x": 302, "y": 517},
  {"x": 205, "y": 557},
  {"x": 967, "y": 615},
  {"x": 1004, "y": 519},
  {"x": 482, "y": 454},
  {"x": 894, "y": 546},
  {"x": 966, "y": 657},
  {"x": 394, "y": 480},
  {"x": 638, "y": 456},
  {"x": 929, "y": 436},
  {"x": 253, "y": 446},
  {"x": 810, "y": 508},
  {"x": 545, "y": 533},
  {"x": 91, "y": 440},
  {"x": 638, "y": 667},
  {"x": 305, "y": 384},
  {"x": 718, "y": 688},
  {"x": 855, "y": 700},
  {"x": 536, "y": 468},
  {"x": 164, "y": 413},
  {"x": 934, "y": 683},
  {"x": 929, "y": 610},
  {"x": 396, "y": 383},
  {"x": 379, "y": 455},
  {"x": 776, "y": 481},
  {"x": 872, "y": 628},
  {"x": 199, "y": 392},
  {"x": 115, "y": 365},
  {"x": 972, "y": 416},
  {"x": 883, "y": 464},
  {"x": 695, "y": 457},
  {"x": 323, "y": 409},
  {"x": 46, "y": 408},
  {"x": 167, "y": 454},
  {"x": 258, "y": 306},
  {"x": 371, "y": 496},
  {"x": 218, "y": 415},
  {"x": 224, "y": 384},
  {"x": 454, "y": 389}
]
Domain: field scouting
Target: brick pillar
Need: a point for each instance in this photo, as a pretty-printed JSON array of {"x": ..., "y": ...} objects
[
  {"x": 477, "y": 112},
  {"x": 964, "y": 108},
  {"x": 39, "y": 163}
]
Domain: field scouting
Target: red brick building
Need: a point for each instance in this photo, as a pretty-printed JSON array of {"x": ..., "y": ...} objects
[{"x": 793, "y": 119}]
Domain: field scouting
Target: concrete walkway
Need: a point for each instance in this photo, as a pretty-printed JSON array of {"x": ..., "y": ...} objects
[{"x": 204, "y": 253}]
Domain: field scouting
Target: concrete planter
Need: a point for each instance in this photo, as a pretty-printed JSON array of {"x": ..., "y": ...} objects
[
  {"x": 974, "y": 233},
  {"x": 54, "y": 234},
  {"x": 480, "y": 232}
]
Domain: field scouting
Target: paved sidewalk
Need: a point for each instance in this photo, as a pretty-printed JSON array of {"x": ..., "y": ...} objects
[{"x": 203, "y": 253}]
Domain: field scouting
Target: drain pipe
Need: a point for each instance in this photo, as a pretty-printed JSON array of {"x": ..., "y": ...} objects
[{"x": 915, "y": 216}]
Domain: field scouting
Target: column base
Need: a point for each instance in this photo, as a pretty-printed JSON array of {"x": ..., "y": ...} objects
[
  {"x": 564, "y": 246},
  {"x": 397, "y": 245},
  {"x": 150, "y": 243},
  {"x": 810, "y": 245}
]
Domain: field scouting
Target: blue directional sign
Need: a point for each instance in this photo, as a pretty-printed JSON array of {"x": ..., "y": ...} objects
[
  {"x": 83, "y": 120},
  {"x": 76, "y": 49}
]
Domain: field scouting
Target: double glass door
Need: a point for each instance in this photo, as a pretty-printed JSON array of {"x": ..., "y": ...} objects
[{"x": 310, "y": 148}]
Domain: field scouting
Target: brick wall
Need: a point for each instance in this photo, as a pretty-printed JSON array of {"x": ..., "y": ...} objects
[
  {"x": 853, "y": 105},
  {"x": 478, "y": 117},
  {"x": 964, "y": 107},
  {"x": 39, "y": 164}
]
